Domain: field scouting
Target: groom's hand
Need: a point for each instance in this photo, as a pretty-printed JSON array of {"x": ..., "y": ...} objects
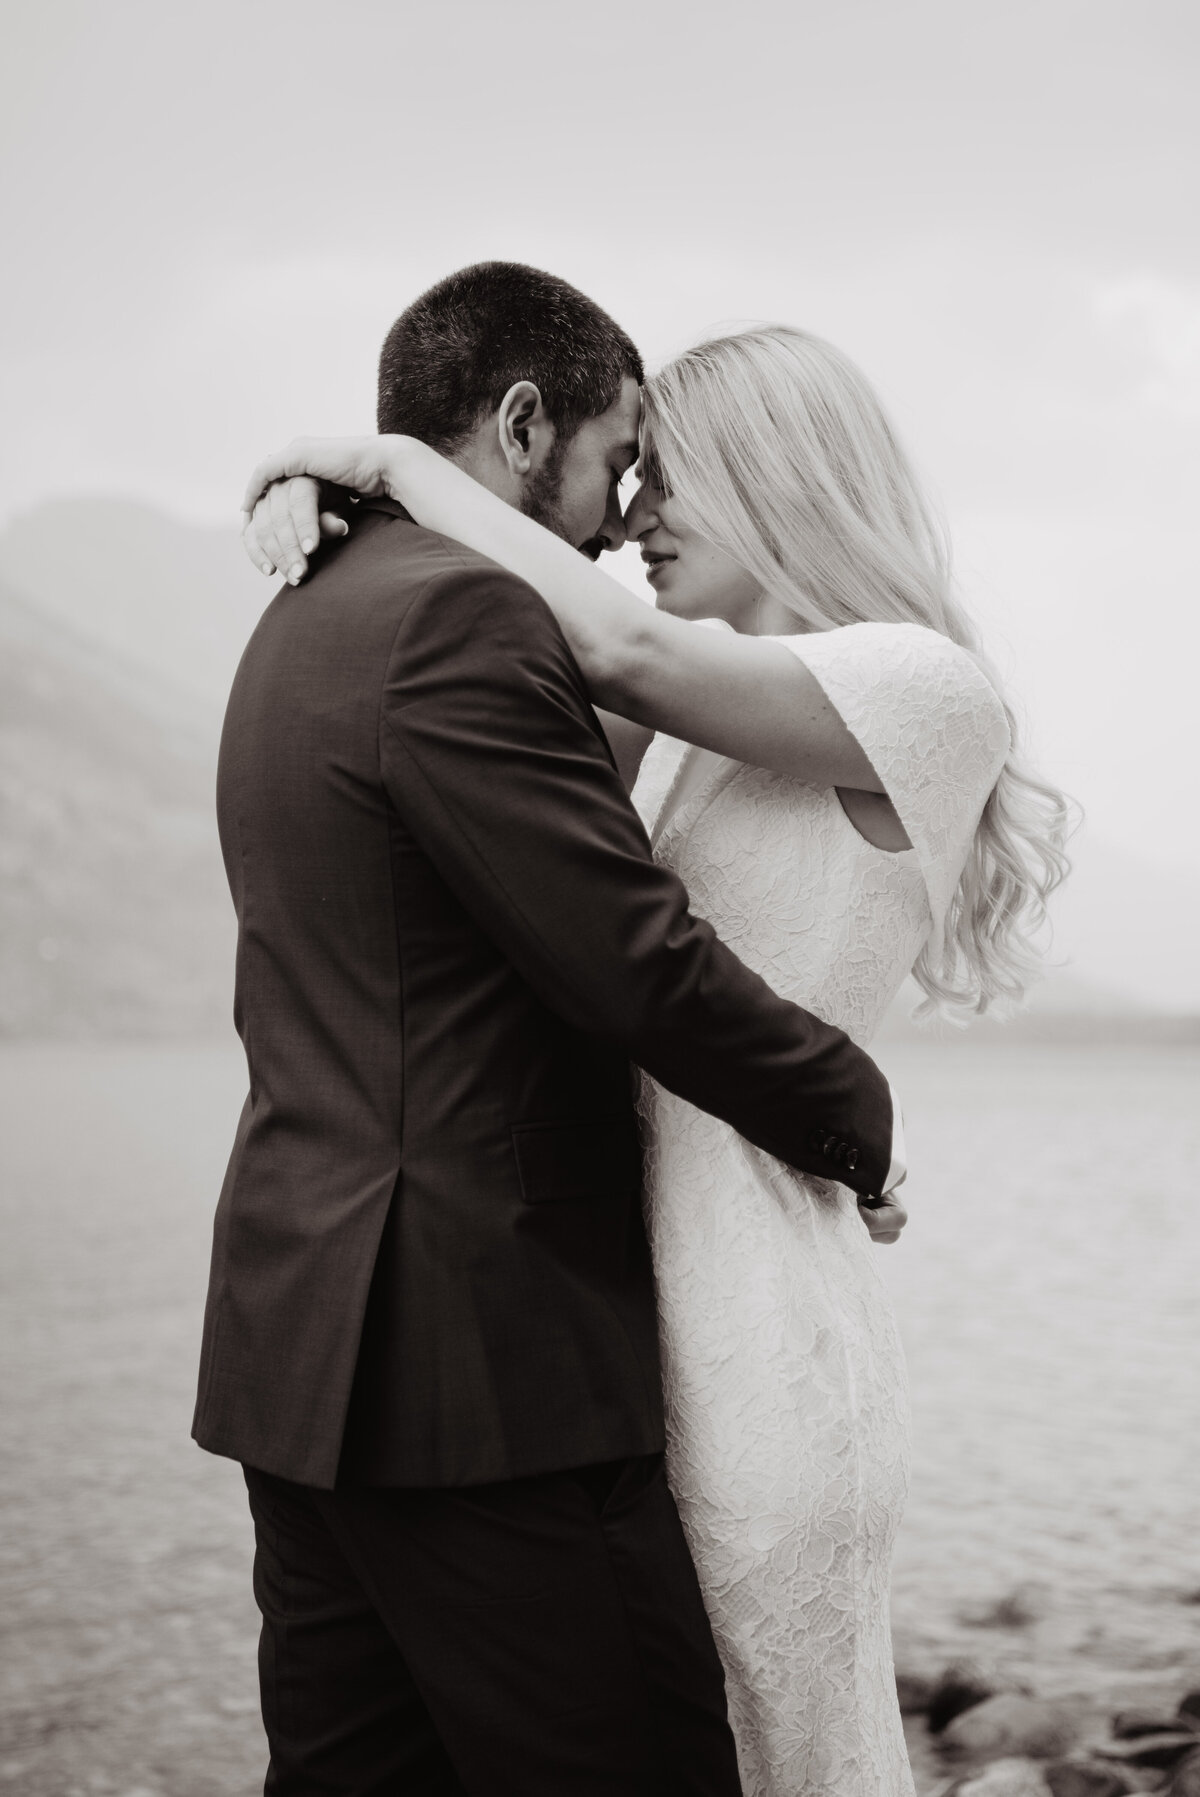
[{"x": 884, "y": 1217}]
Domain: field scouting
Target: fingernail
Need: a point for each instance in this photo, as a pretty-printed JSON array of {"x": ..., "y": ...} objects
[
  {"x": 296, "y": 576},
  {"x": 266, "y": 567},
  {"x": 308, "y": 545}
]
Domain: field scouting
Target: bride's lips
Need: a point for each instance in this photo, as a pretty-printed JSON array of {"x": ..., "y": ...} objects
[{"x": 655, "y": 563}]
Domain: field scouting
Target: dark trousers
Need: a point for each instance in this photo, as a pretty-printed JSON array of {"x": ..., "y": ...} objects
[{"x": 541, "y": 1636}]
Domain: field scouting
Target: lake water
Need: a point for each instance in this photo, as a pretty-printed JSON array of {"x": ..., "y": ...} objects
[{"x": 1047, "y": 1288}]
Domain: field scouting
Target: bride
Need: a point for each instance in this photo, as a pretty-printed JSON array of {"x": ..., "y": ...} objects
[{"x": 830, "y": 769}]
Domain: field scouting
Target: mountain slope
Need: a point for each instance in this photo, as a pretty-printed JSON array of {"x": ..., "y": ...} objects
[
  {"x": 168, "y": 598},
  {"x": 114, "y": 915}
]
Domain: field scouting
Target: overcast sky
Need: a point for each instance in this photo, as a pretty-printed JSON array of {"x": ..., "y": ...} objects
[{"x": 213, "y": 212}]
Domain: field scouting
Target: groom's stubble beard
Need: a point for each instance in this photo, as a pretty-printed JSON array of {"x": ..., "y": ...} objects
[{"x": 542, "y": 498}]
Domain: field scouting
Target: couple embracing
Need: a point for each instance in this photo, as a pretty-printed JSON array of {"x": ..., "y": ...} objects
[{"x": 563, "y": 921}]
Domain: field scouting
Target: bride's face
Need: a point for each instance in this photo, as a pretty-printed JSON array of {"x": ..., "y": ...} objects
[{"x": 691, "y": 577}]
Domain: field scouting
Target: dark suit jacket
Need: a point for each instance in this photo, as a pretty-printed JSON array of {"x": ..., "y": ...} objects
[{"x": 429, "y": 1264}]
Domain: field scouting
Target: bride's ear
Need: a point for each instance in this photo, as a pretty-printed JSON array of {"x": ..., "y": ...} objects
[{"x": 526, "y": 434}]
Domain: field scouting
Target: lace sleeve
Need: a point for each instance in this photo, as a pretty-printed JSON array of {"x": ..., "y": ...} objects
[{"x": 931, "y": 725}]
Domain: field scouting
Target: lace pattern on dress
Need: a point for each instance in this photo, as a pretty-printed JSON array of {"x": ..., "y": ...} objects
[
  {"x": 931, "y": 725},
  {"x": 783, "y": 1374}
]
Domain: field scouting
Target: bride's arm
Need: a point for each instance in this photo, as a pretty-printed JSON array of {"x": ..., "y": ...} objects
[{"x": 742, "y": 696}]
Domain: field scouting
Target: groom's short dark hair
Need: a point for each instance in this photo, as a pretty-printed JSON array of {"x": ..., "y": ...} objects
[{"x": 452, "y": 356}]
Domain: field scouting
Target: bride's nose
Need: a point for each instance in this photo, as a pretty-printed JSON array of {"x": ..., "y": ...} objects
[{"x": 641, "y": 516}]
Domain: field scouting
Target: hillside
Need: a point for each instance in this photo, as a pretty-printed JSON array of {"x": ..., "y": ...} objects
[
  {"x": 114, "y": 915},
  {"x": 168, "y": 599}
]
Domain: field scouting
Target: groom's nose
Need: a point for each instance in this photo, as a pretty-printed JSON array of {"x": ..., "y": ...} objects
[
  {"x": 612, "y": 531},
  {"x": 638, "y": 518}
]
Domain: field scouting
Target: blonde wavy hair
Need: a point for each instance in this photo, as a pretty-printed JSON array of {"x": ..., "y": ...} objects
[{"x": 777, "y": 450}]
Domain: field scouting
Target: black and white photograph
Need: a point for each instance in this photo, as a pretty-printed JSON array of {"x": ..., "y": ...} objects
[{"x": 599, "y": 971}]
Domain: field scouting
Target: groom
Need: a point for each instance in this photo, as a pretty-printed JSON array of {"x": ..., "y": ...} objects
[{"x": 430, "y": 1334}]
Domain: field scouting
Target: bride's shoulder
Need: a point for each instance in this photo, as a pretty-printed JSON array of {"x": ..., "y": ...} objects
[
  {"x": 906, "y": 651},
  {"x": 904, "y": 674},
  {"x": 900, "y": 638}
]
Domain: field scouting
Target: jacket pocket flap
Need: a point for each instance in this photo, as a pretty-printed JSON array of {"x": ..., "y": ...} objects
[{"x": 577, "y": 1160}]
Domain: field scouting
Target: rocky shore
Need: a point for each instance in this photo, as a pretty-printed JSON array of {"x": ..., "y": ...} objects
[{"x": 968, "y": 1738}]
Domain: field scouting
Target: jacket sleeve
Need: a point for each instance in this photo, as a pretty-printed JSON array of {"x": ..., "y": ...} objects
[{"x": 493, "y": 756}]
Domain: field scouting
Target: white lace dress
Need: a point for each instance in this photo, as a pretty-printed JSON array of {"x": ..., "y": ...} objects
[{"x": 785, "y": 1385}]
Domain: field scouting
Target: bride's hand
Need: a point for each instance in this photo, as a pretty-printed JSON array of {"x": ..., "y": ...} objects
[
  {"x": 884, "y": 1218},
  {"x": 280, "y": 508},
  {"x": 286, "y": 525}
]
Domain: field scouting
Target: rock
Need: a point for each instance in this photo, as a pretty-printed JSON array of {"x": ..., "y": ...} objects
[
  {"x": 1190, "y": 1707},
  {"x": 960, "y": 1688},
  {"x": 1151, "y": 1750},
  {"x": 915, "y": 1693},
  {"x": 1016, "y": 1609},
  {"x": 1186, "y": 1782},
  {"x": 1005, "y": 1778},
  {"x": 1127, "y": 1725},
  {"x": 1012, "y": 1724},
  {"x": 1085, "y": 1778}
]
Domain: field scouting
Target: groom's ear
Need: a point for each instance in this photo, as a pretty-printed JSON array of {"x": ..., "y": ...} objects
[{"x": 526, "y": 434}]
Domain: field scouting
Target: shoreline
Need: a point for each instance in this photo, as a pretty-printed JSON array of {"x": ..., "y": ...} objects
[
  {"x": 1047, "y": 1304},
  {"x": 968, "y": 1738}
]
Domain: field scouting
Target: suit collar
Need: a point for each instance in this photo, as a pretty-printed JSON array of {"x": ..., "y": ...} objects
[{"x": 384, "y": 504}]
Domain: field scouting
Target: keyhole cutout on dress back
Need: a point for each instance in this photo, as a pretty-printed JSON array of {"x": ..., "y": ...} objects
[{"x": 874, "y": 817}]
